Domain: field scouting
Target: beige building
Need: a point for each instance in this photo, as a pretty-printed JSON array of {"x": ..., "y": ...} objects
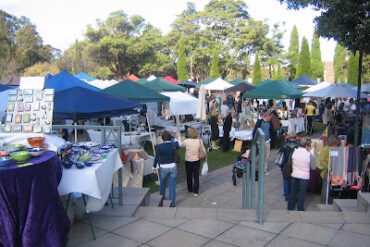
[{"x": 329, "y": 75}]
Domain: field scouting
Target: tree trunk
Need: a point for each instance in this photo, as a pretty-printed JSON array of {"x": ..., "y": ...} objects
[{"x": 357, "y": 124}]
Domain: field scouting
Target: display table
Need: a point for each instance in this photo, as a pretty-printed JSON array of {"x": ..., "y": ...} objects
[
  {"x": 31, "y": 212},
  {"x": 94, "y": 181},
  {"x": 127, "y": 138},
  {"x": 54, "y": 142}
]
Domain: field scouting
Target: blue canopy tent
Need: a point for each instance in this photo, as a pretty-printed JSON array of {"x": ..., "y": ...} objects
[
  {"x": 65, "y": 80},
  {"x": 187, "y": 84},
  {"x": 84, "y": 77},
  {"x": 82, "y": 103},
  {"x": 4, "y": 88},
  {"x": 304, "y": 80}
]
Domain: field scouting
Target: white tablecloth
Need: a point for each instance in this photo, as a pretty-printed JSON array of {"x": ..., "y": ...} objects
[
  {"x": 94, "y": 181},
  {"x": 243, "y": 135},
  {"x": 132, "y": 139},
  {"x": 53, "y": 142}
]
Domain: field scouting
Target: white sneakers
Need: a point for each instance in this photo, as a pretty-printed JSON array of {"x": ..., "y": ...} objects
[{"x": 195, "y": 195}]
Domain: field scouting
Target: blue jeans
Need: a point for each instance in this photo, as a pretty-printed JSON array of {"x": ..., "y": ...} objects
[
  {"x": 298, "y": 188},
  {"x": 171, "y": 174},
  {"x": 286, "y": 188}
]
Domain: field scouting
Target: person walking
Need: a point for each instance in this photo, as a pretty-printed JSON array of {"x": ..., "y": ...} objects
[
  {"x": 265, "y": 124},
  {"x": 334, "y": 141},
  {"x": 310, "y": 113},
  {"x": 164, "y": 159},
  {"x": 214, "y": 122},
  {"x": 228, "y": 122},
  {"x": 287, "y": 149},
  {"x": 193, "y": 146},
  {"x": 302, "y": 162}
]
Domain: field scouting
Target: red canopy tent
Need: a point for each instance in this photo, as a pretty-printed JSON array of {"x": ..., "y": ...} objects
[
  {"x": 170, "y": 79},
  {"x": 132, "y": 77}
]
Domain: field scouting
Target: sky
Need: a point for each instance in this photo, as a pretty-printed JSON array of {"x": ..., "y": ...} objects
[{"x": 61, "y": 22}]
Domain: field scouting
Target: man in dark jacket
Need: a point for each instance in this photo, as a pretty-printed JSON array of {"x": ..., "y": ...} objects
[
  {"x": 287, "y": 150},
  {"x": 228, "y": 121},
  {"x": 266, "y": 126}
]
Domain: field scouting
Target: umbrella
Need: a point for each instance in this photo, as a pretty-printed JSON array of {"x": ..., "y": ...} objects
[
  {"x": 218, "y": 84},
  {"x": 130, "y": 90},
  {"x": 201, "y": 109},
  {"x": 304, "y": 80},
  {"x": 341, "y": 90},
  {"x": 187, "y": 84},
  {"x": 161, "y": 85},
  {"x": 241, "y": 87},
  {"x": 65, "y": 80},
  {"x": 82, "y": 103},
  {"x": 275, "y": 89}
]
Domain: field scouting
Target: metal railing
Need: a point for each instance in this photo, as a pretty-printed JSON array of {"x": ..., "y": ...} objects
[
  {"x": 249, "y": 176},
  {"x": 111, "y": 133}
]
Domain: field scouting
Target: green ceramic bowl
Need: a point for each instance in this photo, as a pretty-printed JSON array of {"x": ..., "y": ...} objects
[
  {"x": 20, "y": 157},
  {"x": 19, "y": 146}
]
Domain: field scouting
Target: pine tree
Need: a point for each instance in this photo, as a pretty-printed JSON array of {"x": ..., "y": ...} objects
[
  {"x": 340, "y": 63},
  {"x": 316, "y": 63},
  {"x": 279, "y": 73},
  {"x": 304, "y": 66},
  {"x": 215, "y": 68},
  {"x": 182, "y": 73},
  {"x": 352, "y": 75},
  {"x": 293, "y": 52},
  {"x": 257, "y": 72}
]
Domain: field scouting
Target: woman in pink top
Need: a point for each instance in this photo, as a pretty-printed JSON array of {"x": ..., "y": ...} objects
[
  {"x": 302, "y": 162},
  {"x": 192, "y": 163}
]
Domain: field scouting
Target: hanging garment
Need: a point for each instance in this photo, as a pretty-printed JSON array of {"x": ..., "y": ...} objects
[{"x": 337, "y": 164}]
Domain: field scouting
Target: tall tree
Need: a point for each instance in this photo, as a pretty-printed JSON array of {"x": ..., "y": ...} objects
[
  {"x": 257, "y": 72},
  {"x": 304, "y": 66},
  {"x": 352, "y": 75},
  {"x": 215, "y": 67},
  {"x": 182, "y": 72},
  {"x": 340, "y": 63},
  {"x": 293, "y": 52},
  {"x": 316, "y": 63}
]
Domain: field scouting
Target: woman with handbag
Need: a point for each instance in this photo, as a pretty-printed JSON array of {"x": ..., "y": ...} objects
[
  {"x": 166, "y": 157},
  {"x": 194, "y": 152}
]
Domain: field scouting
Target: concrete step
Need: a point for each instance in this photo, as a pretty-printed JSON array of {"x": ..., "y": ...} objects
[
  {"x": 155, "y": 201},
  {"x": 166, "y": 203},
  {"x": 327, "y": 207},
  {"x": 363, "y": 202},
  {"x": 345, "y": 205}
]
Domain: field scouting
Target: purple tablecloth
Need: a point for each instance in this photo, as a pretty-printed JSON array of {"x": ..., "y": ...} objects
[{"x": 31, "y": 213}]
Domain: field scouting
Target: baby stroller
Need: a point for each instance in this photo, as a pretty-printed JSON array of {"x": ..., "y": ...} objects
[{"x": 238, "y": 170}]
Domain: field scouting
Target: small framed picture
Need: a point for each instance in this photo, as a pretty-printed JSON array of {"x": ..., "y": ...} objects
[
  {"x": 12, "y": 92},
  {"x": 49, "y": 91},
  {"x": 48, "y": 97},
  {"x": 20, "y": 107},
  {"x": 12, "y": 98},
  {"x": 9, "y": 118},
  {"x": 18, "y": 118},
  {"x": 47, "y": 129},
  {"x": 27, "y": 107},
  {"x": 10, "y": 106},
  {"x": 17, "y": 128},
  {"x": 7, "y": 128},
  {"x": 28, "y": 98},
  {"x": 28, "y": 91},
  {"x": 37, "y": 129},
  {"x": 27, "y": 128},
  {"x": 26, "y": 118},
  {"x": 39, "y": 95},
  {"x": 35, "y": 106}
]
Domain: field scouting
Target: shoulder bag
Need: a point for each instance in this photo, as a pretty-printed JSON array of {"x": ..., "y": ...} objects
[
  {"x": 202, "y": 154},
  {"x": 176, "y": 155}
]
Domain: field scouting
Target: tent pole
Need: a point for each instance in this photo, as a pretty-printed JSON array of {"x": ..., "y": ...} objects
[
  {"x": 150, "y": 132},
  {"x": 75, "y": 133}
]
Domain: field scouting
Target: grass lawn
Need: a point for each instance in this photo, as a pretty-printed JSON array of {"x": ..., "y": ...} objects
[
  {"x": 317, "y": 128},
  {"x": 215, "y": 159}
]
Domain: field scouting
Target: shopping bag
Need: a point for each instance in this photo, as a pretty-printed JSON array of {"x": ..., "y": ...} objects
[
  {"x": 238, "y": 146},
  {"x": 205, "y": 168},
  {"x": 279, "y": 159}
]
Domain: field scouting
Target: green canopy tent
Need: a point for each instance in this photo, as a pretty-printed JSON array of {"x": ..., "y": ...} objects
[
  {"x": 240, "y": 80},
  {"x": 142, "y": 81},
  {"x": 291, "y": 84},
  {"x": 275, "y": 89},
  {"x": 131, "y": 90},
  {"x": 160, "y": 85}
]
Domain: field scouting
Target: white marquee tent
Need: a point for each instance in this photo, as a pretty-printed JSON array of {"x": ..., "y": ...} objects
[
  {"x": 317, "y": 87},
  {"x": 181, "y": 103},
  {"x": 102, "y": 84},
  {"x": 218, "y": 84}
]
